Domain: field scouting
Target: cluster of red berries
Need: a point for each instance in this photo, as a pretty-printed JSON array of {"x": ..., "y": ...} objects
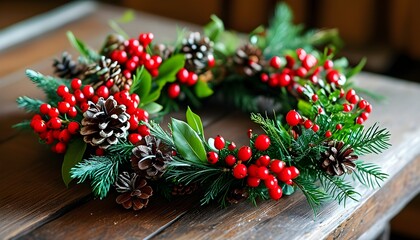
[
  {"x": 243, "y": 165},
  {"x": 306, "y": 67},
  {"x": 134, "y": 54},
  {"x": 357, "y": 105},
  {"x": 183, "y": 77}
]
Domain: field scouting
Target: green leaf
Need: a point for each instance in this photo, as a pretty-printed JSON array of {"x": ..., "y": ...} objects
[
  {"x": 82, "y": 48},
  {"x": 195, "y": 122},
  {"x": 116, "y": 27},
  {"x": 142, "y": 83},
  {"x": 202, "y": 89},
  {"x": 127, "y": 16},
  {"x": 74, "y": 155},
  {"x": 152, "y": 107},
  {"x": 214, "y": 28},
  {"x": 187, "y": 142},
  {"x": 169, "y": 68},
  {"x": 287, "y": 189},
  {"x": 356, "y": 69}
]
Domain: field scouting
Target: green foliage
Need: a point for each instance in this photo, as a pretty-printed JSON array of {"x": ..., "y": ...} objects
[
  {"x": 29, "y": 104},
  {"x": 81, "y": 47},
  {"x": 369, "y": 174},
  {"x": 48, "y": 84},
  {"x": 202, "y": 89},
  {"x": 187, "y": 142},
  {"x": 314, "y": 195},
  {"x": 214, "y": 29},
  {"x": 169, "y": 68},
  {"x": 195, "y": 122},
  {"x": 372, "y": 140},
  {"x": 127, "y": 17},
  {"x": 258, "y": 193},
  {"x": 353, "y": 71},
  {"x": 25, "y": 124},
  {"x": 157, "y": 131},
  {"x": 337, "y": 188},
  {"x": 152, "y": 107},
  {"x": 73, "y": 156}
]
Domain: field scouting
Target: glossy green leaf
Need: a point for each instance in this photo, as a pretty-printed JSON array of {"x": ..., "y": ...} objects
[
  {"x": 152, "y": 107},
  {"x": 74, "y": 154},
  {"x": 288, "y": 190},
  {"x": 169, "y": 68},
  {"x": 82, "y": 48},
  {"x": 142, "y": 83},
  {"x": 202, "y": 89},
  {"x": 195, "y": 122},
  {"x": 187, "y": 142},
  {"x": 215, "y": 28}
]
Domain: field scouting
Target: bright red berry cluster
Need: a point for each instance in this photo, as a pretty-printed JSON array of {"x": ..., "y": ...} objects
[
  {"x": 134, "y": 54},
  {"x": 356, "y": 104},
  {"x": 254, "y": 168},
  {"x": 183, "y": 77}
]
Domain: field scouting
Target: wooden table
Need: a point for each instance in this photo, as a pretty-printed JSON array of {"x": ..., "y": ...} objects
[{"x": 34, "y": 203}]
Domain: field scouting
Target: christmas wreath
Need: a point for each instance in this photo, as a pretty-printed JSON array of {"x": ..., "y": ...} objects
[{"x": 102, "y": 112}]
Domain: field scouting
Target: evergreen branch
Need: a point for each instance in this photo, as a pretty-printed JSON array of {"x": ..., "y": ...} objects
[
  {"x": 123, "y": 148},
  {"x": 314, "y": 195},
  {"x": 101, "y": 170},
  {"x": 257, "y": 193},
  {"x": 25, "y": 124},
  {"x": 220, "y": 185},
  {"x": 337, "y": 188},
  {"x": 157, "y": 131},
  {"x": 48, "y": 84},
  {"x": 29, "y": 104},
  {"x": 373, "y": 140},
  {"x": 369, "y": 174}
]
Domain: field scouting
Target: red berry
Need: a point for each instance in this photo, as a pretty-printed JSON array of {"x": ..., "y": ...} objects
[
  {"x": 264, "y": 77},
  {"x": 78, "y": 94},
  {"x": 275, "y": 193},
  {"x": 271, "y": 182},
  {"x": 60, "y": 147},
  {"x": 301, "y": 72},
  {"x": 64, "y": 136},
  {"x": 364, "y": 116},
  {"x": 131, "y": 65},
  {"x": 120, "y": 56},
  {"x": 182, "y": 75},
  {"x": 285, "y": 175},
  {"x": 84, "y": 106},
  {"x": 253, "y": 181},
  {"x": 362, "y": 104},
  {"x": 76, "y": 83},
  {"x": 54, "y": 123},
  {"x": 276, "y": 166},
  {"x": 347, "y": 107},
  {"x": 301, "y": 53},
  {"x": 300, "y": 89},
  {"x": 231, "y": 146},
  {"x": 143, "y": 130},
  {"x": 328, "y": 64},
  {"x": 263, "y": 161},
  {"x": 284, "y": 79},
  {"x": 314, "y": 97},
  {"x": 293, "y": 118},
  {"x": 174, "y": 90},
  {"x": 219, "y": 142},
  {"x": 249, "y": 133},
  {"x": 142, "y": 115},
  {"x": 350, "y": 94},
  {"x": 88, "y": 91},
  {"x": 263, "y": 172},
  {"x": 210, "y": 61},
  {"x": 262, "y": 142},
  {"x": 240, "y": 171},
  {"x": 99, "y": 152},
  {"x": 72, "y": 112},
  {"x": 102, "y": 91},
  {"x": 294, "y": 172},
  {"x": 49, "y": 137},
  {"x": 275, "y": 62},
  {"x": 230, "y": 160},
  {"x": 308, "y": 123},
  {"x": 315, "y": 128},
  {"x": 314, "y": 79},
  {"x": 359, "y": 120},
  {"x": 73, "y": 127},
  {"x": 309, "y": 62},
  {"x": 39, "y": 126},
  {"x": 354, "y": 99},
  {"x": 342, "y": 92},
  {"x": 62, "y": 90},
  {"x": 328, "y": 134},
  {"x": 290, "y": 61},
  {"x": 339, "y": 126},
  {"x": 244, "y": 153},
  {"x": 134, "y": 138},
  {"x": 63, "y": 107},
  {"x": 146, "y": 38},
  {"x": 134, "y": 122},
  {"x": 253, "y": 170},
  {"x": 333, "y": 76},
  {"x": 44, "y": 108},
  {"x": 368, "y": 108},
  {"x": 192, "y": 79},
  {"x": 53, "y": 112},
  {"x": 71, "y": 99},
  {"x": 273, "y": 81}
]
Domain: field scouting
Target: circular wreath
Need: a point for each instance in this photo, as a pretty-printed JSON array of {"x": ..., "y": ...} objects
[{"x": 101, "y": 112}]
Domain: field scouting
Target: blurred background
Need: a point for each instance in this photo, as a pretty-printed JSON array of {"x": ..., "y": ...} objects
[{"x": 387, "y": 32}]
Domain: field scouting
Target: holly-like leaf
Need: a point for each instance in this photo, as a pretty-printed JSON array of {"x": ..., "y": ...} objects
[
  {"x": 152, "y": 107},
  {"x": 74, "y": 155},
  {"x": 169, "y": 68},
  {"x": 214, "y": 28},
  {"x": 195, "y": 122},
  {"x": 202, "y": 89},
  {"x": 82, "y": 48},
  {"x": 142, "y": 83},
  {"x": 187, "y": 142}
]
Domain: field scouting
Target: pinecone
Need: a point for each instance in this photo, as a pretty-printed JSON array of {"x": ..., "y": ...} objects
[
  {"x": 149, "y": 158},
  {"x": 66, "y": 67},
  {"x": 181, "y": 189},
  {"x": 99, "y": 73},
  {"x": 163, "y": 51},
  {"x": 237, "y": 195},
  {"x": 112, "y": 42},
  {"x": 104, "y": 123},
  {"x": 197, "y": 50},
  {"x": 248, "y": 60},
  {"x": 134, "y": 191},
  {"x": 337, "y": 160}
]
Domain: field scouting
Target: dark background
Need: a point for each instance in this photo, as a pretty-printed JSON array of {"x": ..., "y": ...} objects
[{"x": 387, "y": 32}]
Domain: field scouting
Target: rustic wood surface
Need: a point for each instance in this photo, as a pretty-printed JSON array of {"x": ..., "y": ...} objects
[{"x": 34, "y": 204}]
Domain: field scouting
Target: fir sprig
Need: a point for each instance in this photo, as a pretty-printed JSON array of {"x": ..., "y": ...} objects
[
  {"x": 369, "y": 174},
  {"x": 338, "y": 188},
  {"x": 314, "y": 195},
  {"x": 48, "y": 84},
  {"x": 372, "y": 140},
  {"x": 29, "y": 104}
]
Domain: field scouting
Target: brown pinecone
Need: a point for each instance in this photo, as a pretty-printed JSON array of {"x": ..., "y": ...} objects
[
  {"x": 196, "y": 50},
  {"x": 99, "y": 73},
  {"x": 163, "y": 51},
  {"x": 181, "y": 189},
  {"x": 135, "y": 192},
  {"x": 66, "y": 67},
  {"x": 149, "y": 158},
  {"x": 248, "y": 60},
  {"x": 112, "y": 42},
  {"x": 104, "y": 123},
  {"x": 237, "y": 195},
  {"x": 337, "y": 160}
]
